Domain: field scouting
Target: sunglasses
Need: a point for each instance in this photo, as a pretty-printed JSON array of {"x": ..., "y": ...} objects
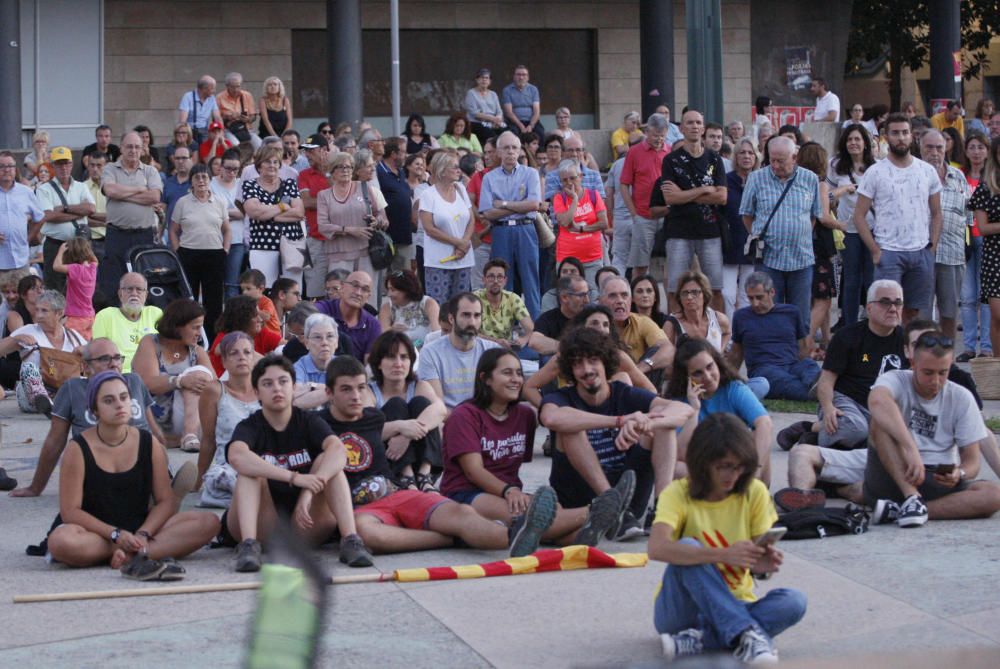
[{"x": 930, "y": 340}]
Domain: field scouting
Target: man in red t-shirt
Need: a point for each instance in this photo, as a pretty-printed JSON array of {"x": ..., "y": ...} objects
[
  {"x": 643, "y": 163},
  {"x": 312, "y": 180},
  {"x": 483, "y": 251}
]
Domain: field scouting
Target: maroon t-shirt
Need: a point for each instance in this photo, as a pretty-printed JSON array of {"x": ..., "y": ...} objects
[{"x": 504, "y": 444}]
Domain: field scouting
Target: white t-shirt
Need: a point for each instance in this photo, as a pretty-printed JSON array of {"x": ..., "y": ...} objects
[
  {"x": 418, "y": 236},
  {"x": 71, "y": 339},
  {"x": 78, "y": 194},
  {"x": 452, "y": 218},
  {"x": 826, "y": 104},
  {"x": 229, "y": 197},
  {"x": 899, "y": 197},
  {"x": 939, "y": 426}
]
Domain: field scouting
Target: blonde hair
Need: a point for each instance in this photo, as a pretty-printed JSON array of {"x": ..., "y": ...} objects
[
  {"x": 692, "y": 276},
  {"x": 266, "y": 152},
  {"x": 739, "y": 147},
  {"x": 183, "y": 127},
  {"x": 281, "y": 87},
  {"x": 343, "y": 158},
  {"x": 440, "y": 161},
  {"x": 991, "y": 170},
  {"x": 40, "y": 136}
]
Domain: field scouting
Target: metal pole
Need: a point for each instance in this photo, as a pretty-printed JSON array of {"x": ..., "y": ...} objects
[
  {"x": 656, "y": 49},
  {"x": 946, "y": 41},
  {"x": 345, "y": 84},
  {"x": 10, "y": 75},
  {"x": 704, "y": 41},
  {"x": 394, "y": 30}
]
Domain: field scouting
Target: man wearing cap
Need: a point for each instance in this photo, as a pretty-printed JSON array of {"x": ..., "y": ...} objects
[
  {"x": 198, "y": 109},
  {"x": 215, "y": 145},
  {"x": 18, "y": 205},
  {"x": 313, "y": 180},
  {"x": 67, "y": 204}
]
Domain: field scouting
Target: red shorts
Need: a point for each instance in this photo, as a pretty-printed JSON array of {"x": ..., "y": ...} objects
[{"x": 410, "y": 509}]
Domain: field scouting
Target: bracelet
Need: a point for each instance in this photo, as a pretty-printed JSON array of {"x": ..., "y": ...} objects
[
  {"x": 619, "y": 422},
  {"x": 174, "y": 381},
  {"x": 508, "y": 487},
  {"x": 282, "y": 207}
]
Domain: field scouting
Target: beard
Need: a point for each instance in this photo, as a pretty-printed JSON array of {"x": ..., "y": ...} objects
[
  {"x": 466, "y": 333},
  {"x": 130, "y": 309},
  {"x": 900, "y": 151}
]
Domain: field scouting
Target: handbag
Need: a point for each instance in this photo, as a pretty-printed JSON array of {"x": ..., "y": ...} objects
[
  {"x": 59, "y": 366},
  {"x": 239, "y": 128},
  {"x": 754, "y": 248},
  {"x": 381, "y": 248},
  {"x": 295, "y": 255}
]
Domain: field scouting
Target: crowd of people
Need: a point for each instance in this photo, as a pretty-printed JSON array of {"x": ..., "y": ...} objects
[{"x": 389, "y": 401}]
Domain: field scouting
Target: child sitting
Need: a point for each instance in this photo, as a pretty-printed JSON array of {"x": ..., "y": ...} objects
[{"x": 252, "y": 283}]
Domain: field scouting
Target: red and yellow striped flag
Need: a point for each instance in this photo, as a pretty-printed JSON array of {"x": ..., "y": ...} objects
[{"x": 556, "y": 559}]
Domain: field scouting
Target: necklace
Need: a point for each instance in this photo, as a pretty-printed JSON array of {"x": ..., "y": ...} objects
[
  {"x": 108, "y": 443},
  {"x": 347, "y": 195},
  {"x": 499, "y": 416}
]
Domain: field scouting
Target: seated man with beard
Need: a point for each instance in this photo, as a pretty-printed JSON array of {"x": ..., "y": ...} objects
[{"x": 128, "y": 324}]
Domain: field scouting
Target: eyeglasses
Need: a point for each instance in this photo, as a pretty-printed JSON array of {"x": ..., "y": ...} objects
[
  {"x": 580, "y": 294},
  {"x": 360, "y": 287},
  {"x": 886, "y": 303},
  {"x": 495, "y": 277},
  {"x": 132, "y": 289},
  {"x": 229, "y": 168},
  {"x": 697, "y": 292},
  {"x": 107, "y": 359},
  {"x": 321, "y": 338},
  {"x": 343, "y": 167},
  {"x": 326, "y": 132},
  {"x": 930, "y": 340},
  {"x": 8, "y": 166}
]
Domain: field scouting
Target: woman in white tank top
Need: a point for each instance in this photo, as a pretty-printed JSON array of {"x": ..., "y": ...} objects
[{"x": 696, "y": 319}]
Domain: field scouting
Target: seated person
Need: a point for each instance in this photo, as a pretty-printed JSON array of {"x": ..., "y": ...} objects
[
  {"x": 353, "y": 320},
  {"x": 413, "y": 412},
  {"x": 295, "y": 324},
  {"x": 321, "y": 337},
  {"x": 242, "y": 314},
  {"x": 394, "y": 521},
  {"x": 704, "y": 379},
  {"x": 285, "y": 294},
  {"x": 696, "y": 319},
  {"x": 486, "y": 441},
  {"x": 573, "y": 297},
  {"x": 503, "y": 311},
  {"x": 706, "y": 600},
  {"x": 71, "y": 414},
  {"x": 774, "y": 341},
  {"x": 252, "y": 284},
  {"x": 405, "y": 308},
  {"x": 11, "y": 304},
  {"x": 175, "y": 370},
  {"x": 287, "y": 462},
  {"x": 923, "y": 453},
  {"x": 108, "y": 475},
  {"x": 134, "y": 319},
  {"x": 646, "y": 299},
  {"x": 568, "y": 267},
  {"x": 606, "y": 428},
  {"x": 222, "y": 405},
  {"x": 646, "y": 343}
]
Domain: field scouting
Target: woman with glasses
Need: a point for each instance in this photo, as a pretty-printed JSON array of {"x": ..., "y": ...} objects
[
  {"x": 582, "y": 216},
  {"x": 405, "y": 308},
  {"x": 324, "y": 128},
  {"x": 223, "y": 404},
  {"x": 448, "y": 220},
  {"x": 321, "y": 336},
  {"x": 697, "y": 320},
  {"x": 182, "y": 137},
  {"x": 229, "y": 189},
  {"x": 482, "y": 108}
]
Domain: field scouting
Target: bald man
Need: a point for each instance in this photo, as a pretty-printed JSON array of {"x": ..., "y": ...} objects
[{"x": 353, "y": 321}]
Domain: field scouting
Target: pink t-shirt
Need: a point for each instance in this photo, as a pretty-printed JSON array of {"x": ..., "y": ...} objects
[
  {"x": 80, "y": 284},
  {"x": 504, "y": 444}
]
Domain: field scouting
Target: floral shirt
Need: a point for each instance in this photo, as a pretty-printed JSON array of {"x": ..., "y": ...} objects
[{"x": 498, "y": 323}]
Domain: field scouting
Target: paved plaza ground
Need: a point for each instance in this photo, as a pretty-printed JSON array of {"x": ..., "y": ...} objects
[{"x": 927, "y": 597}]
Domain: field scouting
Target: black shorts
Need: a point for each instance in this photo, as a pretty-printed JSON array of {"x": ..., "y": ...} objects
[
  {"x": 880, "y": 485},
  {"x": 574, "y": 492},
  {"x": 824, "y": 284}
]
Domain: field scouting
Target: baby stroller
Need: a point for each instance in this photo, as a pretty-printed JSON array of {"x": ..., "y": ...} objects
[{"x": 163, "y": 272}]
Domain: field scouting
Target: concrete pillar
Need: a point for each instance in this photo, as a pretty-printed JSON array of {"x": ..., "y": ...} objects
[
  {"x": 656, "y": 54},
  {"x": 946, "y": 39},
  {"x": 10, "y": 75},
  {"x": 704, "y": 45},
  {"x": 345, "y": 85}
]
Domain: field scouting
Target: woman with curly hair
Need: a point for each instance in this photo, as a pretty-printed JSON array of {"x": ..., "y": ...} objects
[{"x": 458, "y": 135}]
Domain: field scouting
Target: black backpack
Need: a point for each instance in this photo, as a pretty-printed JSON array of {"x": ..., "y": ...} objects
[{"x": 825, "y": 522}]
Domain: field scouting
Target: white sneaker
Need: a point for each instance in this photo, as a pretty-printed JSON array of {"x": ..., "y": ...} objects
[
  {"x": 682, "y": 644},
  {"x": 755, "y": 648}
]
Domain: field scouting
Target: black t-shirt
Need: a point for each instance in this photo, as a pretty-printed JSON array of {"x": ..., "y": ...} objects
[
  {"x": 552, "y": 323},
  {"x": 113, "y": 153},
  {"x": 363, "y": 440},
  {"x": 857, "y": 356},
  {"x": 692, "y": 220},
  {"x": 295, "y": 349},
  {"x": 295, "y": 448}
]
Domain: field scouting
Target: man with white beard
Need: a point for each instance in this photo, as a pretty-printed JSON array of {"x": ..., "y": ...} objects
[{"x": 128, "y": 324}]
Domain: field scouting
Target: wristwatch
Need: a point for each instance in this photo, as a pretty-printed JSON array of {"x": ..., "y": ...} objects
[
  {"x": 115, "y": 533},
  {"x": 65, "y": 208}
]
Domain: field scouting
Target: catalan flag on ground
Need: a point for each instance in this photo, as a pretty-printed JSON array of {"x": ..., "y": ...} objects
[{"x": 557, "y": 559}]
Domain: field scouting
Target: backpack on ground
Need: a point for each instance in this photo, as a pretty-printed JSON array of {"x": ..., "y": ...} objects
[{"x": 825, "y": 522}]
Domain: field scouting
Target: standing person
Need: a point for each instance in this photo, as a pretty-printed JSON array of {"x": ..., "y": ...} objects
[
  {"x": 619, "y": 218},
  {"x": 628, "y": 134},
  {"x": 228, "y": 188},
  {"x": 198, "y": 110},
  {"x": 985, "y": 205},
  {"x": 483, "y": 109},
  {"x": 19, "y": 206},
  {"x": 643, "y": 165},
  {"x": 737, "y": 265},
  {"x": 975, "y": 314},
  {"x": 855, "y": 154},
  {"x": 102, "y": 144},
  {"x": 785, "y": 199},
  {"x": 482, "y": 239},
  {"x": 399, "y": 204},
  {"x": 77, "y": 261},
  {"x": 98, "y": 220},
  {"x": 582, "y": 216},
  {"x": 522, "y": 104},
  {"x": 312, "y": 181},
  {"x": 199, "y": 233},
  {"x": 949, "y": 262},
  {"x": 132, "y": 189},
  {"x": 981, "y": 121},
  {"x": 510, "y": 199},
  {"x": 762, "y": 118},
  {"x": 705, "y": 529},
  {"x": 416, "y": 178},
  {"x": 178, "y": 184},
  {"x": 827, "y": 102},
  {"x": 906, "y": 195},
  {"x": 67, "y": 204},
  {"x": 276, "y": 109},
  {"x": 693, "y": 184}
]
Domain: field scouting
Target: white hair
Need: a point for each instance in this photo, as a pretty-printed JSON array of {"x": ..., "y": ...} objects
[
  {"x": 316, "y": 320},
  {"x": 780, "y": 141},
  {"x": 657, "y": 122},
  {"x": 568, "y": 168},
  {"x": 881, "y": 283}
]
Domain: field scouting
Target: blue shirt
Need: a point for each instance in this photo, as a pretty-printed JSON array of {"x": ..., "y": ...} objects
[
  {"x": 521, "y": 101},
  {"x": 202, "y": 115},
  {"x": 771, "y": 338},
  {"x": 674, "y": 134},
  {"x": 306, "y": 371},
  {"x": 399, "y": 204},
  {"x": 788, "y": 244},
  {"x": 735, "y": 398},
  {"x": 517, "y": 186},
  {"x": 173, "y": 191},
  {"x": 17, "y": 205},
  {"x": 590, "y": 179}
]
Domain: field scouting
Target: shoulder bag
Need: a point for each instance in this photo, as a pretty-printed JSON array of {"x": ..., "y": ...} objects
[
  {"x": 381, "y": 248},
  {"x": 754, "y": 246},
  {"x": 294, "y": 253},
  {"x": 58, "y": 366}
]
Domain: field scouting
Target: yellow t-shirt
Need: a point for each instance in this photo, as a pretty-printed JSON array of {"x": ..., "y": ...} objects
[
  {"x": 719, "y": 524},
  {"x": 639, "y": 334},
  {"x": 111, "y": 323},
  {"x": 939, "y": 122}
]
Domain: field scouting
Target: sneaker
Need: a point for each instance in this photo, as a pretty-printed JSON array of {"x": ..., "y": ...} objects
[
  {"x": 172, "y": 570},
  {"x": 682, "y": 644},
  {"x": 143, "y": 568},
  {"x": 796, "y": 499},
  {"x": 354, "y": 553},
  {"x": 184, "y": 479},
  {"x": 912, "y": 512},
  {"x": 791, "y": 434},
  {"x": 541, "y": 513},
  {"x": 885, "y": 511},
  {"x": 629, "y": 528},
  {"x": 625, "y": 488},
  {"x": 248, "y": 555},
  {"x": 603, "y": 514},
  {"x": 755, "y": 648},
  {"x": 42, "y": 404},
  {"x": 6, "y": 482}
]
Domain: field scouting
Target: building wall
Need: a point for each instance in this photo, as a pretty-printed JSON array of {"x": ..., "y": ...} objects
[{"x": 156, "y": 50}]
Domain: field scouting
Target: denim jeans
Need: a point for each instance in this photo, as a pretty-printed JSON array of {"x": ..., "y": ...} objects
[
  {"x": 789, "y": 382},
  {"x": 793, "y": 288},
  {"x": 696, "y": 596},
  {"x": 975, "y": 315},
  {"x": 518, "y": 245},
  {"x": 858, "y": 271},
  {"x": 234, "y": 263}
]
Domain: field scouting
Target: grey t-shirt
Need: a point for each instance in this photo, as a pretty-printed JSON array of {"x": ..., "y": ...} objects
[
  {"x": 939, "y": 426},
  {"x": 614, "y": 180},
  {"x": 456, "y": 370},
  {"x": 71, "y": 404}
]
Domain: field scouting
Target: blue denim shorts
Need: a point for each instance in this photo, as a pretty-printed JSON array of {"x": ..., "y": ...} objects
[{"x": 464, "y": 496}]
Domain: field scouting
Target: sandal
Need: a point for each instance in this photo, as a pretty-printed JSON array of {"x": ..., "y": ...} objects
[
  {"x": 425, "y": 483},
  {"x": 190, "y": 443},
  {"x": 406, "y": 483}
]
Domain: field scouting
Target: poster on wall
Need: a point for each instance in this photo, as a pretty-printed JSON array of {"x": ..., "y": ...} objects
[{"x": 798, "y": 67}]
